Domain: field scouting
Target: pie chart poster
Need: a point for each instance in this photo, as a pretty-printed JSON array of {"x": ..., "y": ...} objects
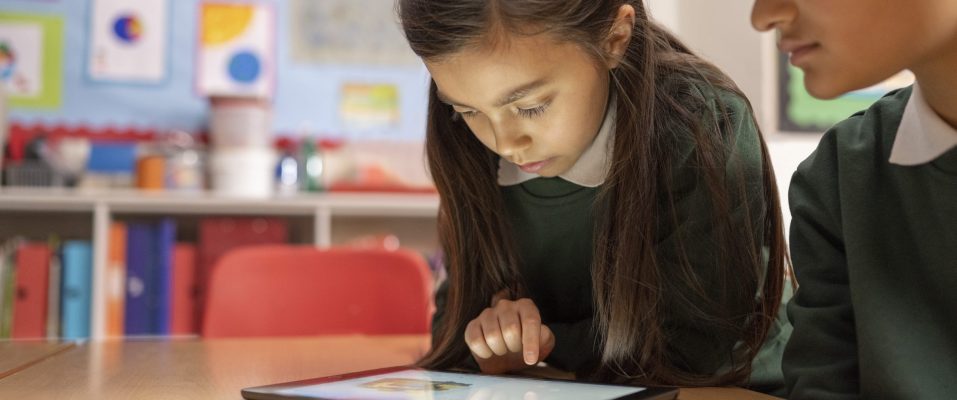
[{"x": 129, "y": 41}]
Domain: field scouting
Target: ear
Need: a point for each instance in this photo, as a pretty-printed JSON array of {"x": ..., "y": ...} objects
[{"x": 618, "y": 39}]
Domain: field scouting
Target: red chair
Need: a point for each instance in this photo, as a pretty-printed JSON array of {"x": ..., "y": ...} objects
[{"x": 278, "y": 290}]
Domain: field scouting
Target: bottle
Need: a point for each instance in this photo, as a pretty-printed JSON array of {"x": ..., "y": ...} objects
[
  {"x": 287, "y": 171},
  {"x": 311, "y": 167}
]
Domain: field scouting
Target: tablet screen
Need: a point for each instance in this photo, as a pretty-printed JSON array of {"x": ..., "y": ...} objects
[{"x": 432, "y": 385}]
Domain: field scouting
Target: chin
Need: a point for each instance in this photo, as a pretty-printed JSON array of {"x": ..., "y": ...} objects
[{"x": 824, "y": 88}]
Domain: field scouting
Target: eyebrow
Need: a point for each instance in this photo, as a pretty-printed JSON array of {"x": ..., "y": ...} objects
[{"x": 512, "y": 96}]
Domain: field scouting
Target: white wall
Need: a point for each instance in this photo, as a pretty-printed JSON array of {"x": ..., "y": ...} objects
[{"x": 721, "y": 32}]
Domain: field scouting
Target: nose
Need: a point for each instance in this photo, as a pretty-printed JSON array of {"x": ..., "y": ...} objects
[
  {"x": 771, "y": 14},
  {"x": 509, "y": 141}
]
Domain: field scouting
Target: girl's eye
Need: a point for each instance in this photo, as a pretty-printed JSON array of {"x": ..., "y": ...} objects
[
  {"x": 457, "y": 115},
  {"x": 533, "y": 112}
]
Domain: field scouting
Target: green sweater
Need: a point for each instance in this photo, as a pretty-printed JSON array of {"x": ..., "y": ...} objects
[
  {"x": 553, "y": 226},
  {"x": 875, "y": 253}
]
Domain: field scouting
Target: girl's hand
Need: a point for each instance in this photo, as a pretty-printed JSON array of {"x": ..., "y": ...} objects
[{"x": 508, "y": 336}]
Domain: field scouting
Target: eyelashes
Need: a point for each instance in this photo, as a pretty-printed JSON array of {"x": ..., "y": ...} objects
[
  {"x": 459, "y": 116},
  {"x": 522, "y": 112},
  {"x": 533, "y": 112}
]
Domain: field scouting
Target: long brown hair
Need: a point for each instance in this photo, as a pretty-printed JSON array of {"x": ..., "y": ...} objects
[{"x": 636, "y": 291}]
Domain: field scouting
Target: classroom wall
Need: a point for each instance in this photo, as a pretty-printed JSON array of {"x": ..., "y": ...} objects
[{"x": 306, "y": 96}]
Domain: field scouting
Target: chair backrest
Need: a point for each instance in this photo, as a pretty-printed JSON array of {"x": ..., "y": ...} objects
[{"x": 282, "y": 290}]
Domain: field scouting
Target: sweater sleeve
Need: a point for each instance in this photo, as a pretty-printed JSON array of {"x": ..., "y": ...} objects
[
  {"x": 576, "y": 347},
  {"x": 820, "y": 361}
]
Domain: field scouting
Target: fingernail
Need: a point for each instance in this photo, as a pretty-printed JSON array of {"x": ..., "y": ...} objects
[{"x": 529, "y": 358}]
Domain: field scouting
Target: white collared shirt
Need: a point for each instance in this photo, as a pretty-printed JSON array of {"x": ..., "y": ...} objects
[
  {"x": 923, "y": 135},
  {"x": 590, "y": 170}
]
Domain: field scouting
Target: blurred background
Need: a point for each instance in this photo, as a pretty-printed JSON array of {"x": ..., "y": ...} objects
[{"x": 144, "y": 139}]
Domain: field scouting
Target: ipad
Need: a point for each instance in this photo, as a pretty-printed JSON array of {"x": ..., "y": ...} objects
[{"x": 407, "y": 383}]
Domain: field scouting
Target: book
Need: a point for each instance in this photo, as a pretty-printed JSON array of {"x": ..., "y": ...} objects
[
  {"x": 139, "y": 252},
  {"x": 183, "y": 309},
  {"x": 7, "y": 285},
  {"x": 159, "y": 288},
  {"x": 53, "y": 290},
  {"x": 149, "y": 277},
  {"x": 30, "y": 301},
  {"x": 116, "y": 279},
  {"x": 77, "y": 263}
]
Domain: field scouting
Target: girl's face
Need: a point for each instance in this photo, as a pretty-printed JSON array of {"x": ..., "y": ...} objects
[
  {"x": 534, "y": 101},
  {"x": 843, "y": 45}
]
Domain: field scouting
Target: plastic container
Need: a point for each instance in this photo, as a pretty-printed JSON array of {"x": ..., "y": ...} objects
[
  {"x": 240, "y": 123},
  {"x": 243, "y": 172}
]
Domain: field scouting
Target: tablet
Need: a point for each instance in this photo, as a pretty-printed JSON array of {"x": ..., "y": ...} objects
[{"x": 407, "y": 383}]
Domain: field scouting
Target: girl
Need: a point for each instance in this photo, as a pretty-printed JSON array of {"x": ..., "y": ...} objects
[{"x": 607, "y": 204}]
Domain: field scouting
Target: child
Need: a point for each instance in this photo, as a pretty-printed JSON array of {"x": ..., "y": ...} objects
[
  {"x": 607, "y": 204},
  {"x": 875, "y": 206}
]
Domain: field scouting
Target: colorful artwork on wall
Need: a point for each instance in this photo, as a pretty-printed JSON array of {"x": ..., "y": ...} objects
[
  {"x": 31, "y": 53},
  {"x": 369, "y": 107},
  {"x": 129, "y": 41},
  {"x": 236, "y": 49}
]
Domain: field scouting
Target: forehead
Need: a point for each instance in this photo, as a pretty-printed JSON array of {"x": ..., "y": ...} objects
[{"x": 477, "y": 70}]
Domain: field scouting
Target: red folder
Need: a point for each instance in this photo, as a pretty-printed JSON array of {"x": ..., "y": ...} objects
[
  {"x": 30, "y": 305},
  {"x": 183, "y": 310}
]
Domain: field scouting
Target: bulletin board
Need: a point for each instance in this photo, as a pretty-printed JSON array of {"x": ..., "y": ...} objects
[{"x": 88, "y": 87}]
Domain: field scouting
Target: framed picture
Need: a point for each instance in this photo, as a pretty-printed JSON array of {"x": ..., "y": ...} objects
[
  {"x": 798, "y": 111},
  {"x": 236, "y": 49},
  {"x": 31, "y": 59},
  {"x": 128, "y": 41}
]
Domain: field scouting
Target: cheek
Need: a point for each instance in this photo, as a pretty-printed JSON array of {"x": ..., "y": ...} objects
[{"x": 481, "y": 130}]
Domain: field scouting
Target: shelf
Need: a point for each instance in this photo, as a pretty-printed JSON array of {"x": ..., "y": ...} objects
[
  {"x": 414, "y": 213},
  {"x": 167, "y": 202}
]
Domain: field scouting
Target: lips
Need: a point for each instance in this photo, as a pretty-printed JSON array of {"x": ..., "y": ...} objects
[
  {"x": 798, "y": 50},
  {"x": 533, "y": 167}
]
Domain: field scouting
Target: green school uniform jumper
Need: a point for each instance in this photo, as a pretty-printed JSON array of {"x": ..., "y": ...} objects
[
  {"x": 874, "y": 246},
  {"x": 553, "y": 224}
]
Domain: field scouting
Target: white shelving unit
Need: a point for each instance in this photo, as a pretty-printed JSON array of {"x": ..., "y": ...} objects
[{"x": 103, "y": 205}]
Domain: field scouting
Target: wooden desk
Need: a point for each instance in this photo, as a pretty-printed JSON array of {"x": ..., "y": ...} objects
[
  {"x": 18, "y": 355},
  {"x": 218, "y": 369}
]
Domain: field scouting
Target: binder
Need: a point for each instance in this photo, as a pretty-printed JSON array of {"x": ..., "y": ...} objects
[
  {"x": 159, "y": 287},
  {"x": 139, "y": 252},
  {"x": 53, "y": 290},
  {"x": 184, "y": 290},
  {"x": 77, "y": 263},
  {"x": 115, "y": 279},
  {"x": 30, "y": 303}
]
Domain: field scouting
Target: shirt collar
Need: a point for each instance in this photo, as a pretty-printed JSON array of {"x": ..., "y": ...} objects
[
  {"x": 923, "y": 135},
  {"x": 592, "y": 166}
]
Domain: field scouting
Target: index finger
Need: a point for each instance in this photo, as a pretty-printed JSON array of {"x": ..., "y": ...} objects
[{"x": 531, "y": 330}]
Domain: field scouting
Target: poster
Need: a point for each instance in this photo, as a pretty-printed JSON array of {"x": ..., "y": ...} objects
[
  {"x": 31, "y": 60},
  {"x": 348, "y": 32},
  {"x": 369, "y": 107},
  {"x": 128, "y": 41},
  {"x": 800, "y": 112},
  {"x": 236, "y": 49}
]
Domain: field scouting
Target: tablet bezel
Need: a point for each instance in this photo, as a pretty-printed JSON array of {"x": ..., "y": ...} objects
[{"x": 269, "y": 392}]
